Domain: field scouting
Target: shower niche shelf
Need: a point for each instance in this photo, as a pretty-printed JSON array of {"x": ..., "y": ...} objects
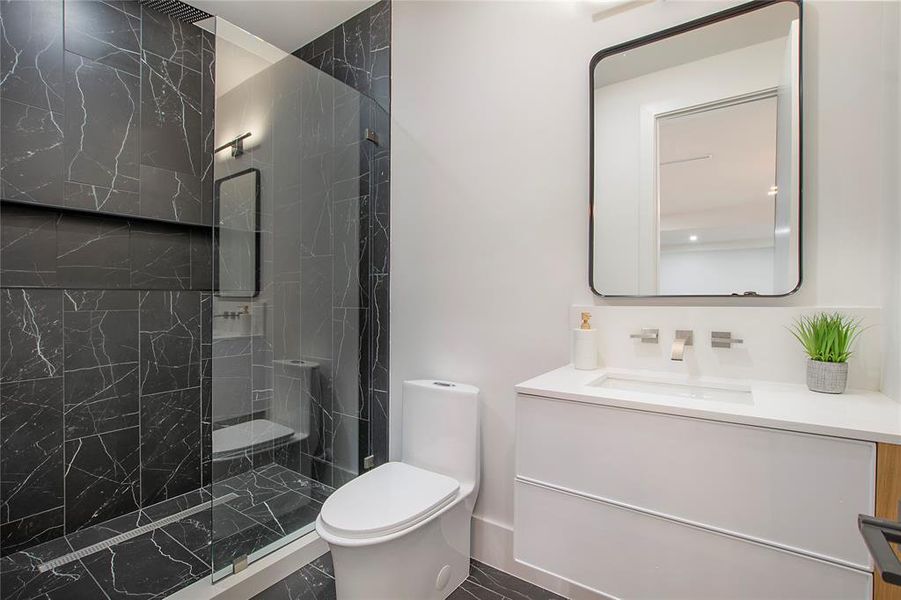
[{"x": 103, "y": 213}]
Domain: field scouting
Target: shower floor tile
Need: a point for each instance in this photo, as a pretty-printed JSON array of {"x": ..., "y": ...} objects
[
  {"x": 21, "y": 580},
  {"x": 152, "y": 565},
  {"x": 270, "y": 502}
]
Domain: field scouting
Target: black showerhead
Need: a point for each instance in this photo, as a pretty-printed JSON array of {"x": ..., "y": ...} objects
[{"x": 179, "y": 10}]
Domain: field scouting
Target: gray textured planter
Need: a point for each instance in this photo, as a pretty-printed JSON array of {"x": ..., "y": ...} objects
[{"x": 826, "y": 377}]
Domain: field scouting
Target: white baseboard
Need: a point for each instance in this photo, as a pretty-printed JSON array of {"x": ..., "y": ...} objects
[
  {"x": 258, "y": 576},
  {"x": 492, "y": 544}
]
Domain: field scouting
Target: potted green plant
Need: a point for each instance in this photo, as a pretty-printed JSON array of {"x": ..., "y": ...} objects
[{"x": 827, "y": 340}]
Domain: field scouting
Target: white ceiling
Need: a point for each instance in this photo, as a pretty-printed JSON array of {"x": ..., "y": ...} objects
[
  {"x": 286, "y": 24},
  {"x": 752, "y": 28}
]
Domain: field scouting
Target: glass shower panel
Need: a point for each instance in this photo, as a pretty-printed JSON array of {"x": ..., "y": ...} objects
[{"x": 288, "y": 368}]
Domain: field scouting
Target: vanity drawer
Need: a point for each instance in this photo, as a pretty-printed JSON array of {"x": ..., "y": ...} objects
[
  {"x": 795, "y": 490},
  {"x": 627, "y": 554}
]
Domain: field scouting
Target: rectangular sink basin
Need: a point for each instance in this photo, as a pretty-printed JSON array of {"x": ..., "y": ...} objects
[{"x": 725, "y": 392}]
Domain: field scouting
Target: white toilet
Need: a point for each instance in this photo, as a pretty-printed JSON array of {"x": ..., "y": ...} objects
[{"x": 401, "y": 531}]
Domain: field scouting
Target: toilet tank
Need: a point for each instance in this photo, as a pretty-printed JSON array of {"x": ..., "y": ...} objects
[{"x": 441, "y": 428}]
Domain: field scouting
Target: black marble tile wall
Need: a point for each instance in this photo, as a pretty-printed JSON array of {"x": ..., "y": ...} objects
[
  {"x": 106, "y": 106},
  {"x": 106, "y": 118},
  {"x": 100, "y": 406},
  {"x": 41, "y": 247},
  {"x": 357, "y": 53}
]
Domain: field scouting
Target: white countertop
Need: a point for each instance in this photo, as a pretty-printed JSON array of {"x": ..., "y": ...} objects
[{"x": 856, "y": 414}]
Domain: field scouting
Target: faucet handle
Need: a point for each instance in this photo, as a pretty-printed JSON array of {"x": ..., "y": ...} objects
[
  {"x": 723, "y": 339},
  {"x": 647, "y": 336}
]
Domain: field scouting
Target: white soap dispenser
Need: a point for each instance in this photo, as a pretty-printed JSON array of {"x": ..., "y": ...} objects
[{"x": 585, "y": 345}]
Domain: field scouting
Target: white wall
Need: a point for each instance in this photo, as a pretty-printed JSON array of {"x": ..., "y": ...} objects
[
  {"x": 490, "y": 192},
  {"x": 892, "y": 222},
  {"x": 722, "y": 271}
]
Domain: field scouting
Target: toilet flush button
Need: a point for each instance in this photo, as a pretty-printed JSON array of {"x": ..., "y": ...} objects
[{"x": 443, "y": 577}]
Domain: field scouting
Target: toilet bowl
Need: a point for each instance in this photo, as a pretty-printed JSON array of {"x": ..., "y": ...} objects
[{"x": 401, "y": 531}]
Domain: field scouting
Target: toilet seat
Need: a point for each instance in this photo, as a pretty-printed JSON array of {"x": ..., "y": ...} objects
[{"x": 387, "y": 499}]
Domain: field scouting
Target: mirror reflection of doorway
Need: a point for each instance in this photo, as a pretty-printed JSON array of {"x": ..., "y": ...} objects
[{"x": 717, "y": 196}]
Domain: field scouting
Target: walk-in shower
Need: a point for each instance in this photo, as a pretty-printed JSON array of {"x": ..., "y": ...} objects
[
  {"x": 193, "y": 276},
  {"x": 291, "y": 275}
]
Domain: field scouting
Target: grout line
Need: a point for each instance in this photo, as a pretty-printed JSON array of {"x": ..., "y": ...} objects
[
  {"x": 91, "y": 575},
  {"x": 94, "y": 579},
  {"x": 37, "y": 514},
  {"x": 102, "y": 433},
  {"x": 13, "y": 381},
  {"x": 207, "y": 561}
]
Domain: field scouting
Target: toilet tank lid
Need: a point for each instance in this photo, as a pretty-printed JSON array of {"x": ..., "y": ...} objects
[
  {"x": 387, "y": 499},
  {"x": 443, "y": 384}
]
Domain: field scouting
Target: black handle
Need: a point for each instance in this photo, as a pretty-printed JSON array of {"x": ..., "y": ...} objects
[{"x": 879, "y": 534}]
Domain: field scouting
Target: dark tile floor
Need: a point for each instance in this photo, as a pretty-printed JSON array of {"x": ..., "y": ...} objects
[
  {"x": 267, "y": 503},
  {"x": 316, "y": 581}
]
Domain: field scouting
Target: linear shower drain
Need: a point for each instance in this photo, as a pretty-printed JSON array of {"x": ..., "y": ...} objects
[{"x": 128, "y": 535}]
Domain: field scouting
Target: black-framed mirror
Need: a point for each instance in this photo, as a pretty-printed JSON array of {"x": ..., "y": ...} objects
[
  {"x": 236, "y": 261},
  {"x": 696, "y": 158}
]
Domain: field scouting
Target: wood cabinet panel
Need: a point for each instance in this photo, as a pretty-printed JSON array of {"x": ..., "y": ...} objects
[{"x": 888, "y": 494}]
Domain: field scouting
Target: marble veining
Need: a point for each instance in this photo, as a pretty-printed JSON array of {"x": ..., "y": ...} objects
[
  {"x": 124, "y": 571},
  {"x": 170, "y": 444},
  {"x": 134, "y": 375},
  {"x": 208, "y": 106},
  {"x": 380, "y": 53},
  {"x": 101, "y": 399},
  {"x": 31, "y": 159},
  {"x": 170, "y": 115},
  {"x": 171, "y": 39},
  {"x": 101, "y": 199},
  {"x": 129, "y": 88},
  {"x": 31, "y": 454},
  {"x": 171, "y": 195},
  {"x": 20, "y": 579},
  {"x": 160, "y": 257},
  {"x": 92, "y": 252},
  {"x": 506, "y": 585},
  {"x": 31, "y": 53},
  {"x": 106, "y": 32},
  {"x": 252, "y": 488},
  {"x": 31, "y": 334},
  {"x": 102, "y": 122},
  {"x": 380, "y": 328},
  {"x": 100, "y": 331},
  {"x": 351, "y": 53},
  {"x": 102, "y": 477},
  {"x": 44, "y": 248},
  {"x": 345, "y": 238},
  {"x": 27, "y": 248},
  {"x": 286, "y": 512},
  {"x": 307, "y": 583}
]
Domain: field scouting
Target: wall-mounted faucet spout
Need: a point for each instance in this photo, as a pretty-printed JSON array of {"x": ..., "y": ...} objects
[{"x": 683, "y": 338}]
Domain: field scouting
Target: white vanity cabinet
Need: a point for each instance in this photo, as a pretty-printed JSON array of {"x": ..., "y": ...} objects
[{"x": 644, "y": 504}]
